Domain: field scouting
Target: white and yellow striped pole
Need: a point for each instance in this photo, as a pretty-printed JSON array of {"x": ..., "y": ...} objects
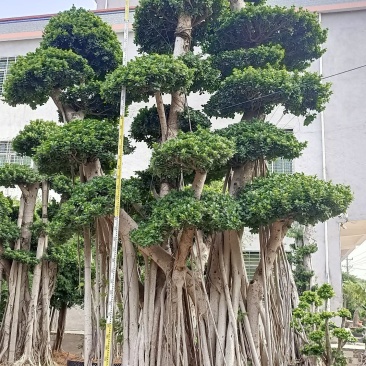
[{"x": 108, "y": 359}]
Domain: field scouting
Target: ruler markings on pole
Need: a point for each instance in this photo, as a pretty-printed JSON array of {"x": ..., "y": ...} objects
[{"x": 108, "y": 360}]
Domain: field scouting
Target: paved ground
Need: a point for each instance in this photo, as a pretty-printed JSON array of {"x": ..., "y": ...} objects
[{"x": 72, "y": 343}]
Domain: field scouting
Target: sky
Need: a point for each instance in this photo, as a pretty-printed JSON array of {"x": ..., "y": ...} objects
[{"x": 19, "y": 8}]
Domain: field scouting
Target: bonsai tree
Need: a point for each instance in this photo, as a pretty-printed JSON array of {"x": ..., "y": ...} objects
[{"x": 185, "y": 297}]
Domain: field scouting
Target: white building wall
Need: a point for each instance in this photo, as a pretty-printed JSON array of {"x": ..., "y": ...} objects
[{"x": 344, "y": 120}]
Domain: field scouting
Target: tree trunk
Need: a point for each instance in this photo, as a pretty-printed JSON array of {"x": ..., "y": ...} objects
[
  {"x": 88, "y": 326},
  {"x": 61, "y": 321},
  {"x": 242, "y": 175},
  {"x": 183, "y": 37},
  {"x": 162, "y": 116},
  {"x": 18, "y": 279},
  {"x": 255, "y": 289},
  {"x": 31, "y": 322}
]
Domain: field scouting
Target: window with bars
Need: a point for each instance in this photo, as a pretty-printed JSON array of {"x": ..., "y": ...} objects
[
  {"x": 5, "y": 63},
  {"x": 280, "y": 165},
  {"x": 9, "y": 156},
  {"x": 251, "y": 260}
]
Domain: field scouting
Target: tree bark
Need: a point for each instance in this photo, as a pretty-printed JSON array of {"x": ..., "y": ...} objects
[
  {"x": 242, "y": 175},
  {"x": 255, "y": 291},
  {"x": 198, "y": 183},
  {"x": 61, "y": 321},
  {"x": 183, "y": 37},
  {"x": 162, "y": 116}
]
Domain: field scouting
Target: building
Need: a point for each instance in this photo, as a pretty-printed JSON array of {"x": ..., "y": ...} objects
[{"x": 336, "y": 139}]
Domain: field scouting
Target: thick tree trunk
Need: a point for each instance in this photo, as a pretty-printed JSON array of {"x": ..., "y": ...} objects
[
  {"x": 18, "y": 280},
  {"x": 255, "y": 290},
  {"x": 61, "y": 321},
  {"x": 242, "y": 175},
  {"x": 88, "y": 326},
  {"x": 131, "y": 310},
  {"x": 87, "y": 172},
  {"x": 31, "y": 321},
  {"x": 183, "y": 36},
  {"x": 162, "y": 116}
]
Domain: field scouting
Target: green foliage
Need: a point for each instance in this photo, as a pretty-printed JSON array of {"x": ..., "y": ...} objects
[
  {"x": 146, "y": 75},
  {"x": 302, "y": 275},
  {"x": 69, "y": 262},
  {"x": 12, "y": 175},
  {"x": 259, "y": 139},
  {"x": 214, "y": 211},
  {"x": 146, "y": 125},
  {"x": 20, "y": 255},
  {"x": 84, "y": 33},
  {"x": 76, "y": 143},
  {"x": 8, "y": 228},
  {"x": 254, "y": 26},
  {"x": 87, "y": 98},
  {"x": 326, "y": 291},
  {"x": 43, "y": 73},
  {"x": 62, "y": 185},
  {"x": 192, "y": 151},
  {"x": 295, "y": 197},
  {"x": 354, "y": 293},
  {"x": 4, "y": 297},
  {"x": 33, "y": 134},
  {"x": 261, "y": 90},
  {"x": 91, "y": 200},
  {"x": 315, "y": 321},
  {"x": 155, "y": 22},
  {"x": 205, "y": 77},
  {"x": 260, "y": 56}
]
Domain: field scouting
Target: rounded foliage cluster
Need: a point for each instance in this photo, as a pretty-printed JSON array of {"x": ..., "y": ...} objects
[
  {"x": 294, "y": 197},
  {"x": 146, "y": 125},
  {"x": 254, "y": 26},
  {"x": 93, "y": 199},
  {"x": 260, "y": 56},
  {"x": 155, "y": 22},
  {"x": 84, "y": 33},
  {"x": 76, "y": 143},
  {"x": 12, "y": 175},
  {"x": 257, "y": 139},
  {"x": 40, "y": 74},
  {"x": 261, "y": 90},
  {"x": 31, "y": 137},
  {"x": 146, "y": 75},
  {"x": 192, "y": 151},
  {"x": 179, "y": 209}
]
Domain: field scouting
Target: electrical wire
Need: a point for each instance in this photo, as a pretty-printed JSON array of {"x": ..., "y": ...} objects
[{"x": 279, "y": 91}]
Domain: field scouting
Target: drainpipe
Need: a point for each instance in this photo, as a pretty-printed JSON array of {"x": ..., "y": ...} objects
[
  {"x": 106, "y": 4},
  {"x": 324, "y": 174}
]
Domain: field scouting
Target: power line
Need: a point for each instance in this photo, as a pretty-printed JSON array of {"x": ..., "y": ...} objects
[
  {"x": 344, "y": 72},
  {"x": 279, "y": 91}
]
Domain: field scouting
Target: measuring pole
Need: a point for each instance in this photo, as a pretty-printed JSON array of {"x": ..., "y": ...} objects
[{"x": 108, "y": 359}]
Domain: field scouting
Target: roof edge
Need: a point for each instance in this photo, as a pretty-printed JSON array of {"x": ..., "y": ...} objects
[{"x": 48, "y": 16}]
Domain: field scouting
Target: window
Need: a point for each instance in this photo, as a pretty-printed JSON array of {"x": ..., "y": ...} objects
[
  {"x": 281, "y": 165},
  {"x": 5, "y": 63},
  {"x": 251, "y": 260},
  {"x": 9, "y": 156}
]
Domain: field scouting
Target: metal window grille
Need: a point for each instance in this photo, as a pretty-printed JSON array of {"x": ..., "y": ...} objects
[
  {"x": 280, "y": 165},
  {"x": 5, "y": 63},
  {"x": 251, "y": 260},
  {"x": 9, "y": 156}
]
